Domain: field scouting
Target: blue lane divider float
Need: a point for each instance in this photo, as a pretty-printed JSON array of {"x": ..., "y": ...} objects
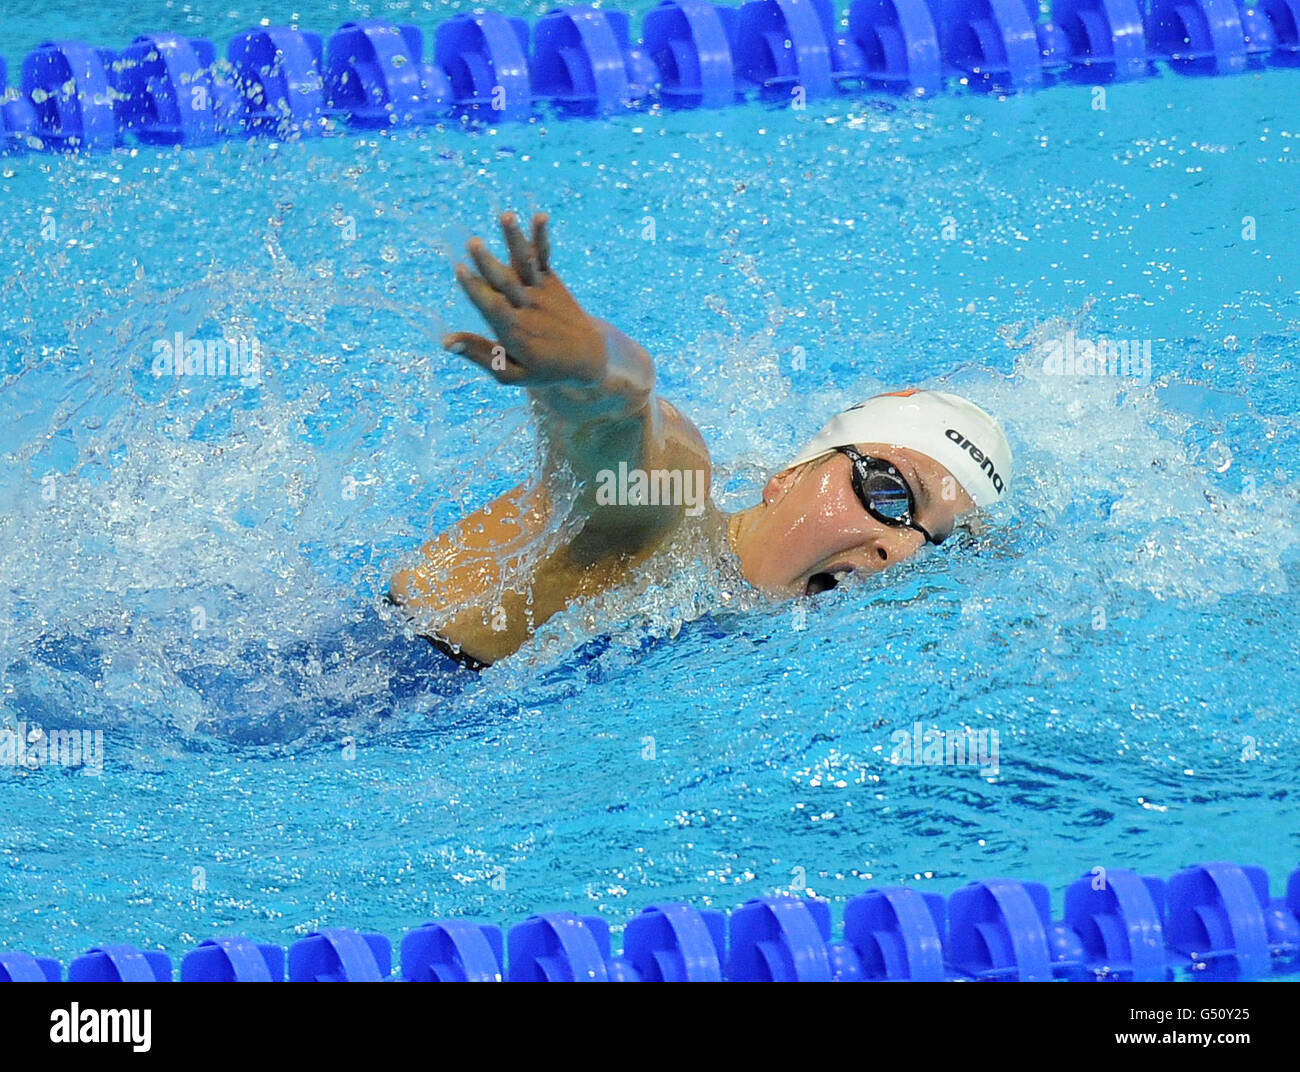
[
  {"x": 69, "y": 86},
  {"x": 560, "y": 947},
  {"x": 1120, "y": 926},
  {"x": 675, "y": 943},
  {"x": 693, "y": 45},
  {"x": 377, "y": 75},
  {"x": 278, "y": 75},
  {"x": 1100, "y": 40},
  {"x": 582, "y": 61},
  {"x": 120, "y": 964},
  {"x": 898, "y": 41},
  {"x": 1224, "y": 924},
  {"x": 993, "y": 42},
  {"x": 453, "y": 951},
  {"x": 25, "y": 968},
  {"x": 17, "y": 113},
  {"x": 1213, "y": 921},
  {"x": 897, "y": 935},
  {"x": 233, "y": 959},
  {"x": 172, "y": 92},
  {"x": 486, "y": 60},
  {"x": 784, "y": 46},
  {"x": 339, "y": 955}
]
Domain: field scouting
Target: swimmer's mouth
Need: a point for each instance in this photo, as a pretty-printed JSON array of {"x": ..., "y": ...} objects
[{"x": 824, "y": 582}]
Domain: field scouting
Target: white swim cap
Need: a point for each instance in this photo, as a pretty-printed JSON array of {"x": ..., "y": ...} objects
[{"x": 955, "y": 433}]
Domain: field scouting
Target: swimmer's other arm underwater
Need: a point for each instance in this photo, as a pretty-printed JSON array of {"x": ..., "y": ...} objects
[{"x": 876, "y": 484}]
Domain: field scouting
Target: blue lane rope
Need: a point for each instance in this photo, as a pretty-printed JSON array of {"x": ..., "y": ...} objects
[
  {"x": 1213, "y": 921},
  {"x": 286, "y": 82}
]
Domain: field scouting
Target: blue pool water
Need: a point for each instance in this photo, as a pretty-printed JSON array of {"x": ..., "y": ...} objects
[{"x": 193, "y": 569}]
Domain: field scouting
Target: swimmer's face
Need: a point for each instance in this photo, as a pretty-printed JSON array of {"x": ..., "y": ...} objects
[{"x": 811, "y": 529}]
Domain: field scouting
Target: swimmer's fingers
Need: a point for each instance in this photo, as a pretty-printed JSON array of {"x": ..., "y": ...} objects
[
  {"x": 542, "y": 241},
  {"x": 523, "y": 257},
  {"x": 486, "y": 354},
  {"x": 502, "y": 279},
  {"x": 494, "y": 306}
]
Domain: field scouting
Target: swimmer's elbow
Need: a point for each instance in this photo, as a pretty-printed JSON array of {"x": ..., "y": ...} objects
[
  {"x": 398, "y": 586},
  {"x": 401, "y": 588}
]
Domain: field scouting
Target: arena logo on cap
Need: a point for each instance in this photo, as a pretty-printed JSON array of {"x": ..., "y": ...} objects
[{"x": 983, "y": 461}]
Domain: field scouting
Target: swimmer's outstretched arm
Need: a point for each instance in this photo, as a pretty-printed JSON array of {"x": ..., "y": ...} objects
[
  {"x": 592, "y": 385},
  {"x": 593, "y": 391}
]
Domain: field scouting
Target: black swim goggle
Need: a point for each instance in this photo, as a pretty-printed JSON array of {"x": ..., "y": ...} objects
[{"x": 883, "y": 492}]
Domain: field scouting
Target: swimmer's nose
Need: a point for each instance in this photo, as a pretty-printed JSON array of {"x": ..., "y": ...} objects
[
  {"x": 887, "y": 546},
  {"x": 881, "y": 549}
]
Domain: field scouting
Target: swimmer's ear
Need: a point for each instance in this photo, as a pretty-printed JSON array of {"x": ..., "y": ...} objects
[
  {"x": 969, "y": 527},
  {"x": 486, "y": 354}
]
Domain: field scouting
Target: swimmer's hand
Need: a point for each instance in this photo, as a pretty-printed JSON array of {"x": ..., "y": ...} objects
[
  {"x": 592, "y": 387},
  {"x": 543, "y": 336}
]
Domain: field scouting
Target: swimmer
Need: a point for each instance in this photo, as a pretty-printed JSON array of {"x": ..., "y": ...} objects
[{"x": 876, "y": 484}]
